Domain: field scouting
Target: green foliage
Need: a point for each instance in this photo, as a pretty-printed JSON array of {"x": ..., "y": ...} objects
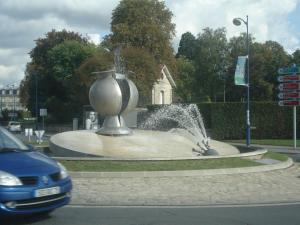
[
  {"x": 39, "y": 71},
  {"x": 39, "y": 53},
  {"x": 65, "y": 58},
  {"x": 144, "y": 24},
  {"x": 186, "y": 73},
  {"x": 187, "y": 46},
  {"x": 84, "y": 77},
  {"x": 215, "y": 61},
  {"x": 173, "y": 165},
  {"x": 211, "y": 60},
  {"x": 276, "y": 156},
  {"x": 227, "y": 120},
  {"x": 52, "y": 71},
  {"x": 145, "y": 71},
  {"x": 296, "y": 57},
  {"x": 144, "y": 30}
]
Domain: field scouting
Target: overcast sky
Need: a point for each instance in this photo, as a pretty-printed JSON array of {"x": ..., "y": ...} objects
[{"x": 23, "y": 21}]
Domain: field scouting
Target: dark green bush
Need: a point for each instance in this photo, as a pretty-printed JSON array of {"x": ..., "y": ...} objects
[
  {"x": 227, "y": 120},
  {"x": 268, "y": 120}
]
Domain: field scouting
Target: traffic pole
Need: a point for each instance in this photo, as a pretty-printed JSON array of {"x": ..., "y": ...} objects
[{"x": 295, "y": 126}]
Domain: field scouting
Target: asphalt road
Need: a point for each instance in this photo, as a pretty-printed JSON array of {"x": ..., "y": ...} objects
[{"x": 216, "y": 215}]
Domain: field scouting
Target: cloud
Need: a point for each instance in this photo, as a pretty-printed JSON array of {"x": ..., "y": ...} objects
[
  {"x": 10, "y": 75},
  {"x": 24, "y": 21},
  {"x": 93, "y": 13},
  {"x": 94, "y": 38},
  {"x": 268, "y": 19}
]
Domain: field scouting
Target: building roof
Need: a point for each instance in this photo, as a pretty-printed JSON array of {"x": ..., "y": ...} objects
[{"x": 166, "y": 72}]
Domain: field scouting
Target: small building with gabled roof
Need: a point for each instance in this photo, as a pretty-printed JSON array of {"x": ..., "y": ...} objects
[{"x": 162, "y": 91}]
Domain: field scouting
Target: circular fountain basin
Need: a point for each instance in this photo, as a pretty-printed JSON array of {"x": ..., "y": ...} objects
[{"x": 143, "y": 144}]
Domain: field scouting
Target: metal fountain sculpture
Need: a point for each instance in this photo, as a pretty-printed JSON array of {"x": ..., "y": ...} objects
[{"x": 112, "y": 95}]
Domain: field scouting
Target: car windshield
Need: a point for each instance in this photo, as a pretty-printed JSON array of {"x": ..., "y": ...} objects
[{"x": 9, "y": 141}]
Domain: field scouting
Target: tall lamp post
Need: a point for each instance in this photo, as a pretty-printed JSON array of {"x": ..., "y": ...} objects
[
  {"x": 238, "y": 22},
  {"x": 36, "y": 103},
  {"x": 14, "y": 106}
]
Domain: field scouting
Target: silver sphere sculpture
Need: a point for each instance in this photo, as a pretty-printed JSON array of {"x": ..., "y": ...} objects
[{"x": 112, "y": 95}]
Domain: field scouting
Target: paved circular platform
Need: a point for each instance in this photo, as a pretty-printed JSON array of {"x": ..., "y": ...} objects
[
  {"x": 275, "y": 186},
  {"x": 142, "y": 144}
]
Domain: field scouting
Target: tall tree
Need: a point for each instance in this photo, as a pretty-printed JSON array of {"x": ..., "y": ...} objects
[
  {"x": 144, "y": 24},
  {"x": 64, "y": 59},
  {"x": 84, "y": 77},
  {"x": 187, "y": 46},
  {"x": 237, "y": 47},
  {"x": 211, "y": 60},
  {"x": 296, "y": 57},
  {"x": 143, "y": 28},
  {"x": 274, "y": 57},
  {"x": 145, "y": 71},
  {"x": 265, "y": 59},
  {"x": 185, "y": 82},
  {"x": 39, "y": 71}
]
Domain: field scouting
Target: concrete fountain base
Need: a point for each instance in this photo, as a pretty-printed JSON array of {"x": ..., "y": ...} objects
[{"x": 143, "y": 144}]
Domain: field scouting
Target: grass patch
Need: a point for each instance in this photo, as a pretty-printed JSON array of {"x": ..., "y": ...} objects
[
  {"x": 276, "y": 156},
  {"x": 118, "y": 166},
  {"x": 275, "y": 142}
]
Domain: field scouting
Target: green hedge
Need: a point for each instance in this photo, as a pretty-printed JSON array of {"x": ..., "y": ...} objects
[
  {"x": 268, "y": 120},
  {"x": 227, "y": 120}
]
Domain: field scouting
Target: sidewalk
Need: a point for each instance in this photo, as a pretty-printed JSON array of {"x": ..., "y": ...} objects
[
  {"x": 280, "y": 149},
  {"x": 242, "y": 188}
]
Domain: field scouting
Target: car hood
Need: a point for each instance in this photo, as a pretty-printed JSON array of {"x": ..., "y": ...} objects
[{"x": 27, "y": 163}]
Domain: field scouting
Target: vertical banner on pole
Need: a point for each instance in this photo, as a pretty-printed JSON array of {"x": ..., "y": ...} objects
[{"x": 239, "y": 75}]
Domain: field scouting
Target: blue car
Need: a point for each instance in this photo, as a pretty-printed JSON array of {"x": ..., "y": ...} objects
[{"x": 30, "y": 182}]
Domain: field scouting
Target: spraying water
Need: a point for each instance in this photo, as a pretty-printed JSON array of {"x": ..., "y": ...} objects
[{"x": 187, "y": 120}]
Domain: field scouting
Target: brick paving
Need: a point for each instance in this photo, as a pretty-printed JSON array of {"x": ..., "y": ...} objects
[{"x": 260, "y": 187}]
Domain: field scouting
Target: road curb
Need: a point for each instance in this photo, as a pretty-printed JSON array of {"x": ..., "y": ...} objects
[{"x": 184, "y": 173}]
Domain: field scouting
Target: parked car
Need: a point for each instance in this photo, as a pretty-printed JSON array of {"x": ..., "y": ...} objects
[
  {"x": 30, "y": 182},
  {"x": 14, "y": 126}
]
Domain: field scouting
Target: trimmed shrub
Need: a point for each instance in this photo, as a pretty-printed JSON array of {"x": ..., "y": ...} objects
[
  {"x": 227, "y": 120},
  {"x": 268, "y": 120}
]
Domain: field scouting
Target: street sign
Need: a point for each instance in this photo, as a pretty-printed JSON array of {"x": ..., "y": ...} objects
[
  {"x": 39, "y": 135},
  {"x": 287, "y": 95},
  {"x": 289, "y": 70},
  {"x": 291, "y": 90},
  {"x": 295, "y": 102},
  {"x": 28, "y": 133},
  {"x": 43, "y": 112},
  {"x": 288, "y": 78},
  {"x": 289, "y": 86}
]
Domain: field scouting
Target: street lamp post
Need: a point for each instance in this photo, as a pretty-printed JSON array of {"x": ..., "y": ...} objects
[
  {"x": 237, "y": 22},
  {"x": 13, "y": 90},
  {"x": 14, "y": 109},
  {"x": 36, "y": 102},
  {"x": 1, "y": 93}
]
